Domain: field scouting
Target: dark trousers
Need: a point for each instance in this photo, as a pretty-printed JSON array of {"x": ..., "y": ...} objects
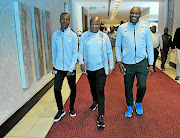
[
  {"x": 97, "y": 80},
  {"x": 163, "y": 58},
  {"x": 140, "y": 70},
  {"x": 58, "y": 81},
  {"x": 156, "y": 53}
]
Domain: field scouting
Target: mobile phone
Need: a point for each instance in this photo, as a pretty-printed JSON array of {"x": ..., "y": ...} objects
[{"x": 124, "y": 69}]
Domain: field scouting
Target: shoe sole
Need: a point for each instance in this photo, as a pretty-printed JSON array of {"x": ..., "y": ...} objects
[
  {"x": 94, "y": 108},
  {"x": 56, "y": 120},
  {"x": 136, "y": 109},
  {"x": 100, "y": 126},
  {"x": 129, "y": 116},
  {"x": 72, "y": 114}
]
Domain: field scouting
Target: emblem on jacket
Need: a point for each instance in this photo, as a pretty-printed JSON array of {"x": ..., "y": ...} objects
[
  {"x": 69, "y": 38},
  {"x": 142, "y": 30}
]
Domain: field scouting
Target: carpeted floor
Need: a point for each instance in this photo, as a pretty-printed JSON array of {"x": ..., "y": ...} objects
[{"x": 161, "y": 118}]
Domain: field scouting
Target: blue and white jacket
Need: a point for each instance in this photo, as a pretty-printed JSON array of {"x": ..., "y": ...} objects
[
  {"x": 136, "y": 42},
  {"x": 106, "y": 50},
  {"x": 64, "y": 50}
]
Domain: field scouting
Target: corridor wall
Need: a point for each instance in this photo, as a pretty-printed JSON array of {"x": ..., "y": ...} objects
[
  {"x": 161, "y": 17},
  {"x": 12, "y": 95},
  {"x": 78, "y": 19}
]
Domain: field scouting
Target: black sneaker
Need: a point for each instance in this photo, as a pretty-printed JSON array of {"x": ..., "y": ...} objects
[
  {"x": 177, "y": 78},
  {"x": 72, "y": 112},
  {"x": 94, "y": 106},
  {"x": 59, "y": 115},
  {"x": 100, "y": 122}
]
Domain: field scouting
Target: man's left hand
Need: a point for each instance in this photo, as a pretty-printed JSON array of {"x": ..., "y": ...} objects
[
  {"x": 69, "y": 74},
  {"x": 110, "y": 72},
  {"x": 151, "y": 71},
  {"x": 173, "y": 50}
]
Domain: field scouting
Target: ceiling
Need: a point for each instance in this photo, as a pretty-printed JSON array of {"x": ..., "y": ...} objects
[{"x": 123, "y": 13}]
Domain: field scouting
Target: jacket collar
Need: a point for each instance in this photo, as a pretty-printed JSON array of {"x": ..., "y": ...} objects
[
  {"x": 66, "y": 30},
  {"x": 130, "y": 23},
  {"x": 99, "y": 32}
]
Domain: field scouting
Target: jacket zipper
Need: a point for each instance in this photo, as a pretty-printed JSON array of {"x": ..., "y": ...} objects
[
  {"x": 62, "y": 48},
  {"x": 135, "y": 42},
  {"x": 103, "y": 54}
]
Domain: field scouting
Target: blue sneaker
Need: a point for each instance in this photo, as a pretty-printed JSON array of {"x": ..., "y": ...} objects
[
  {"x": 139, "y": 109},
  {"x": 129, "y": 111}
]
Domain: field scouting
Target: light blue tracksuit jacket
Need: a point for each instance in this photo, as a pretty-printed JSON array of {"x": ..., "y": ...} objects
[
  {"x": 106, "y": 50},
  {"x": 136, "y": 42},
  {"x": 64, "y": 50}
]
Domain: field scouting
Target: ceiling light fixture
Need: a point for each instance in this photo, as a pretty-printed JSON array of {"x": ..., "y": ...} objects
[{"x": 117, "y": 4}]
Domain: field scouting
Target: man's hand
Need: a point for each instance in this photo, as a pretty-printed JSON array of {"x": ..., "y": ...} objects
[
  {"x": 83, "y": 67},
  {"x": 54, "y": 71},
  {"x": 173, "y": 50},
  {"x": 122, "y": 68},
  {"x": 151, "y": 70},
  {"x": 110, "y": 72},
  {"x": 69, "y": 74}
]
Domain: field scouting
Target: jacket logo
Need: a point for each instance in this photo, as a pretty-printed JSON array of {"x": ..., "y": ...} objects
[
  {"x": 142, "y": 30},
  {"x": 69, "y": 38}
]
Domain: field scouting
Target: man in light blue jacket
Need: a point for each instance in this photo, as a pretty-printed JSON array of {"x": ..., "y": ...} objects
[
  {"x": 64, "y": 54},
  {"x": 135, "y": 39},
  {"x": 94, "y": 53}
]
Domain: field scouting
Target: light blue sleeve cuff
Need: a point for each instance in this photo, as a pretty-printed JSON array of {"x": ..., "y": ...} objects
[{"x": 70, "y": 70}]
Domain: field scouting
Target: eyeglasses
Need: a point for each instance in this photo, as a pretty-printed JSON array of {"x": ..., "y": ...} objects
[{"x": 136, "y": 13}]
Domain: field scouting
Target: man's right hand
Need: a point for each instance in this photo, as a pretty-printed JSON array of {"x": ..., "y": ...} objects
[
  {"x": 54, "y": 71},
  {"x": 173, "y": 50},
  {"x": 122, "y": 68},
  {"x": 83, "y": 67}
]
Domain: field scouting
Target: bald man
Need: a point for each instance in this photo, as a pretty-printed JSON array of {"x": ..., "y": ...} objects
[
  {"x": 135, "y": 39},
  {"x": 96, "y": 60}
]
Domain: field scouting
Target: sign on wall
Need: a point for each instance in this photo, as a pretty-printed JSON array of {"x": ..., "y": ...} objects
[{"x": 97, "y": 8}]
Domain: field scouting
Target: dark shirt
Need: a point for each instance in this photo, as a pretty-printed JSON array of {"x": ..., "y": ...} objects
[
  {"x": 167, "y": 42},
  {"x": 176, "y": 40}
]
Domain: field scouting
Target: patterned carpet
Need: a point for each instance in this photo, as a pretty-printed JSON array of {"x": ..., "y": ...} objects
[{"x": 161, "y": 116}]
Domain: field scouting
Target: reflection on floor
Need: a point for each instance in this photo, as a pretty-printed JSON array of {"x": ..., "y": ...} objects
[{"x": 37, "y": 122}]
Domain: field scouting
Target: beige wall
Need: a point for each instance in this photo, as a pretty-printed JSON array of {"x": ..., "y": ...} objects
[
  {"x": 78, "y": 18},
  {"x": 161, "y": 17}
]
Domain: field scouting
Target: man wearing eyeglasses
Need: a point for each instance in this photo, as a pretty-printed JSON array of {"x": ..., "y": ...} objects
[{"x": 135, "y": 39}]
